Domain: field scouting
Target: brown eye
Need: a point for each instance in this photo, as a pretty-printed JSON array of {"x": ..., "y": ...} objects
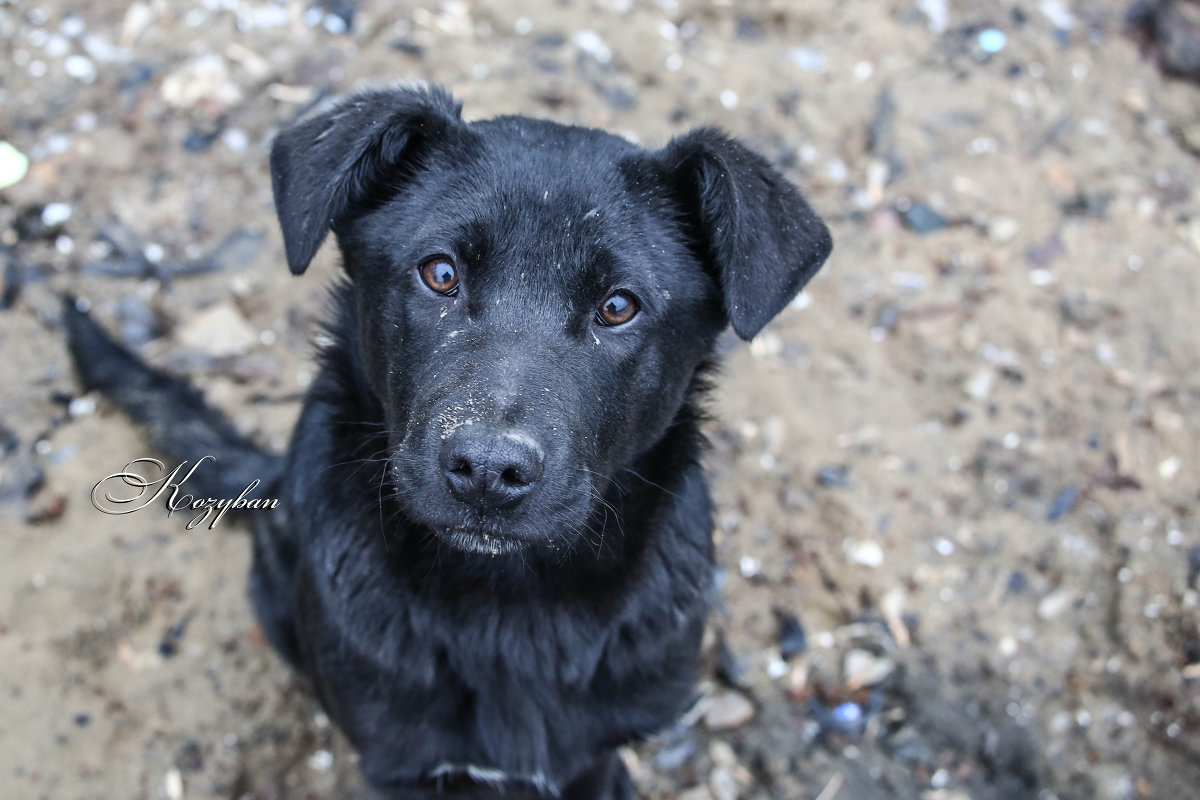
[
  {"x": 439, "y": 274},
  {"x": 617, "y": 309}
]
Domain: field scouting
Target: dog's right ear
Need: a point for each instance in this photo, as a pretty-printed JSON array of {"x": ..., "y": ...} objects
[{"x": 326, "y": 167}]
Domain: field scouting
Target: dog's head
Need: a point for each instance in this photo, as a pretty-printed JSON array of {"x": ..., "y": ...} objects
[{"x": 533, "y": 300}]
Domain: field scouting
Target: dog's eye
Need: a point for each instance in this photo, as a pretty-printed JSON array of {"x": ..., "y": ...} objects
[
  {"x": 617, "y": 309},
  {"x": 439, "y": 274}
]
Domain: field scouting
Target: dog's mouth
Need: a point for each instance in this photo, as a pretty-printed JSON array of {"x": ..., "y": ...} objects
[{"x": 482, "y": 542}]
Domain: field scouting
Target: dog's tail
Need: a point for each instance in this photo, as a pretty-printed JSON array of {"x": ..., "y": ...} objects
[{"x": 181, "y": 426}]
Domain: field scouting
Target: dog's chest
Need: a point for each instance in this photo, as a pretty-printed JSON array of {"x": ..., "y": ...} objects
[{"x": 428, "y": 691}]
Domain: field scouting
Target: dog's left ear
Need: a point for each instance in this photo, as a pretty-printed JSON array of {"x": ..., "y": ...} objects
[
  {"x": 324, "y": 168},
  {"x": 761, "y": 238}
]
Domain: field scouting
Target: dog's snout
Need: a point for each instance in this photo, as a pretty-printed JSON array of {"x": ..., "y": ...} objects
[{"x": 490, "y": 469}]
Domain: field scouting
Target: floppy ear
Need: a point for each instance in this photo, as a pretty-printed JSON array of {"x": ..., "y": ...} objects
[
  {"x": 761, "y": 238},
  {"x": 325, "y": 167}
]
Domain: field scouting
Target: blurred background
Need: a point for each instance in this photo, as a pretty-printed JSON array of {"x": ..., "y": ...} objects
[{"x": 957, "y": 479}]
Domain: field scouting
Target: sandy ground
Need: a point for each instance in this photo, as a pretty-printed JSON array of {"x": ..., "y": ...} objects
[{"x": 964, "y": 461}]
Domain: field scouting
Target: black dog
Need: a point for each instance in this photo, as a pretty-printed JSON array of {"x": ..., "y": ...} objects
[{"x": 493, "y": 550}]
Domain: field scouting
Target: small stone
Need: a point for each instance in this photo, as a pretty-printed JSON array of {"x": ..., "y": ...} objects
[
  {"x": 979, "y": 386},
  {"x": 749, "y": 566},
  {"x": 862, "y": 668},
  {"x": 920, "y": 218},
  {"x": 792, "y": 639},
  {"x": 1055, "y": 603},
  {"x": 320, "y": 761},
  {"x": 82, "y": 407},
  {"x": 728, "y": 710},
  {"x": 938, "y": 13},
  {"x": 833, "y": 476},
  {"x": 1003, "y": 229},
  {"x": 722, "y": 784},
  {"x": 55, "y": 214},
  {"x": 848, "y": 718},
  {"x": 80, "y": 68},
  {"x": 218, "y": 331},
  {"x": 1062, "y": 504},
  {"x": 592, "y": 44},
  {"x": 1168, "y": 468},
  {"x": 13, "y": 165},
  {"x": 807, "y": 59},
  {"x": 866, "y": 554},
  {"x": 992, "y": 41},
  {"x": 173, "y": 785},
  {"x": 1017, "y": 582}
]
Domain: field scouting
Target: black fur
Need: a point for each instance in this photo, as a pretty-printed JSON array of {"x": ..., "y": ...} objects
[{"x": 497, "y": 651}]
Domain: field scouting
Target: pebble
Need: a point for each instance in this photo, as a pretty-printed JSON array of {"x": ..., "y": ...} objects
[
  {"x": 866, "y": 554},
  {"x": 836, "y": 476},
  {"x": 848, "y": 717},
  {"x": 909, "y": 282},
  {"x": 1057, "y": 12},
  {"x": 320, "y": 761},
  {"x": 920, "y": 218},
  {"x": 1017, "y": 582},
  {"x": 722, "y": 784},
  {"x": 808, "y": 59},
  {"x": 1003, "y": 229},
  {"x": 792, "y": 639},
  {"x": 55, "y": 214},
  {"x": 218, "y": 332},
  {"x": 591, "y": 43},
  {"x": 979, "y": 386},
  {"x": 13, "y": 165},
  {"x": 885, "y": 321},
  {"x": 938, "y": 13},
  {"x": 862, "y": 668},
  {"x": 1055, "y": 603},
  {"x": 1062, "y": 504},
  {"x": 173, "y": 785},
  {"x": 82, "y": 406},
  {"x": 728, "y": 710},
  {"x": 1168, "y": 468},
  {"x": 992, "y": 41},
  {"x": 749, "y": 566},
  {"x": 80, "y": 68}
]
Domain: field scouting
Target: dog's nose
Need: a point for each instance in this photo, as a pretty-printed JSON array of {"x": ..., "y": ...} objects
[{"x": 490, "y": 469}]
